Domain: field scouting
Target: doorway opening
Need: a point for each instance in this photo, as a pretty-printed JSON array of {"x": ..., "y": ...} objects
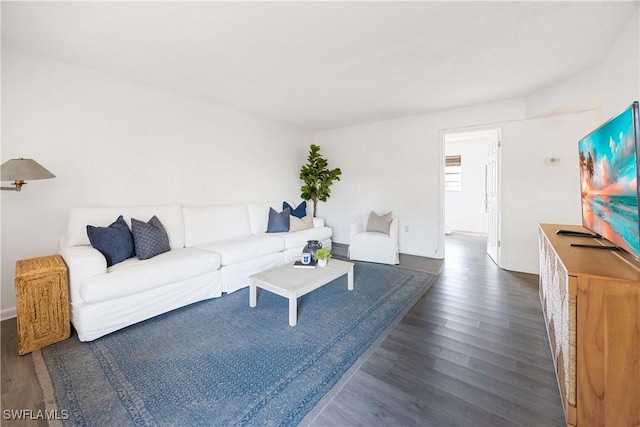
[{"x": 471, "y": 186}]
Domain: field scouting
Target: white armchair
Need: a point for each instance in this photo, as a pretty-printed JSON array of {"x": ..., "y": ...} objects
[{"x": 374, "y": 246}]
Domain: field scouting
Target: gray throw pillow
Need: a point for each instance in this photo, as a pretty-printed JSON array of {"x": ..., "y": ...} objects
[
  {"x": 278, "y": 221},
  {"x": 379, "y": 223},
  {"x": 150, "y": 238}
]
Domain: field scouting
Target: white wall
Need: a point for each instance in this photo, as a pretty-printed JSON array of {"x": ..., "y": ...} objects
[
  {"x": 621, "y": 70},
  {"x": 116, "y": 142},
  {"x": 465, "y": 209},
  {"x": 580, "y": 92},
  {"x": 534, "y": 192},
  {"x": 397, "y": 165}
]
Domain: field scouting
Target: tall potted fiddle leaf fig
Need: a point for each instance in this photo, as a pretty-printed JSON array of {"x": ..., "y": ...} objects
[{"x": 317, "y": 178}]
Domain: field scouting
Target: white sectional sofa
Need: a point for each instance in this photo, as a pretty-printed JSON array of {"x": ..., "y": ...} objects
[{"x": 214, "y": 250}]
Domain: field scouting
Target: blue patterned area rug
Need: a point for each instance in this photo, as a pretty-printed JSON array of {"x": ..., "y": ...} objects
[{"x": 220, "y": 362}]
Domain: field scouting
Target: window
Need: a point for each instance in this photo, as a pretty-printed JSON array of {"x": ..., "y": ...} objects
[{"x": 453, "y": 173}]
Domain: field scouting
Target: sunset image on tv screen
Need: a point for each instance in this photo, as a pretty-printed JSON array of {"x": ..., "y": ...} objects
[{"x": 608, "y": 177}]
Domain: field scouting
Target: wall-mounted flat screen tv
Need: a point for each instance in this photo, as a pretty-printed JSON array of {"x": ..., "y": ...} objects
[{"x": 609, "y": 180}]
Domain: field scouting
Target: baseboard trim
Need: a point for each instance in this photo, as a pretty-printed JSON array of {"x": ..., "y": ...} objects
[
  {"x": 519, "y": 269},
  {"x": 7, "y": 313}
]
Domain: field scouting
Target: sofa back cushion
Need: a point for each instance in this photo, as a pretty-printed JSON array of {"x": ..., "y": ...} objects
[
  {"x": 205, "y": 224},
  {"x": 79, "y": 217},
  {"x": 259, "y": 215}
]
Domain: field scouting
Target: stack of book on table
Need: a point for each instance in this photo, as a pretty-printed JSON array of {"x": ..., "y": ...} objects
[{"x": 299, "y": 264}]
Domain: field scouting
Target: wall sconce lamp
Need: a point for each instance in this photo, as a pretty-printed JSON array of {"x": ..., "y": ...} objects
[{"x": 20, "y": 170}]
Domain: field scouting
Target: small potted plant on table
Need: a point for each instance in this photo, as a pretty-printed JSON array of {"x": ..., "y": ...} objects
[{"x": 322, "y": 255}]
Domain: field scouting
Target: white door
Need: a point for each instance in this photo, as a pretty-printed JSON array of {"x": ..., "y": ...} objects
[{"x": 492, "y": 202}]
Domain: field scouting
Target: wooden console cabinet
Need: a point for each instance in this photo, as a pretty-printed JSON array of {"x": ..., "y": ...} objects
[
  {"x": 42, "y": 297},
  {"x": 591, "y": 304}
]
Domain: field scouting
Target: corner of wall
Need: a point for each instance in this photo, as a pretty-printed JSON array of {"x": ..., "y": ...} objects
[
  {"x": 575, "y": 94},
  {"x": 620, "y": 70}
]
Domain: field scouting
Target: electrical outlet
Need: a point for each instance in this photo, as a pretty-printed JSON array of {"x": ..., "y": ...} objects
[{"x": 406, "y": 228}]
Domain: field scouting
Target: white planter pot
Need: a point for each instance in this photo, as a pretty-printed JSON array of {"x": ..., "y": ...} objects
[{"x": 322, "y": 262}]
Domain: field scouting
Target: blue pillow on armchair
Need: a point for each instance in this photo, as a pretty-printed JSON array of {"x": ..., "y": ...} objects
[
  {"x": 115, "y": 242},
  {"x": 278, "y": 221},
  {"x": 299, "y": 212}
]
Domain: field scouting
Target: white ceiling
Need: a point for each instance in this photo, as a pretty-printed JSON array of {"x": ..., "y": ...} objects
[{"x": 321, "y": 65}]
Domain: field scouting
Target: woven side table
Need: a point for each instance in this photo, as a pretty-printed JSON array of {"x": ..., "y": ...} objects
[{"x": 42, "y": 299}]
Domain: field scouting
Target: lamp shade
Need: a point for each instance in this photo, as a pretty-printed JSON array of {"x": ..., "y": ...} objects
[{"x": 23, "y": 170}]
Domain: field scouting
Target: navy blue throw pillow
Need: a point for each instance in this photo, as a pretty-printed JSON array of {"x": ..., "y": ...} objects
[
  {"x": 299, "y": 212},
  {"x": 150, "y": 238},
  {"x": 278, "y": 222},
  {"x": 115, "y": 242}
]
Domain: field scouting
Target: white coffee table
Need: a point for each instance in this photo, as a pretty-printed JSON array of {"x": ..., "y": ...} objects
[{"x": 292, "y": 283}]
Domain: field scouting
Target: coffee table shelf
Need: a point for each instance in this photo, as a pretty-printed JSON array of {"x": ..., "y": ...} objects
[{"x": 292, "y": 283}]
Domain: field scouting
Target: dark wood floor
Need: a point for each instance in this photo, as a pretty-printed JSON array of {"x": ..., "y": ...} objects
[
  {"x": 20, "y": 387},
  {"x": 472, "y": 351}
]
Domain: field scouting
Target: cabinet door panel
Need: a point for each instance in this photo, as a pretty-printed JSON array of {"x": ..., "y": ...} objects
[{"x": 608, "y": 353}]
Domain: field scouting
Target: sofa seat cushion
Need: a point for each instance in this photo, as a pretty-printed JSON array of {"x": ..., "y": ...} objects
[
  {"x": 134, "y": 276},
  {"x": 245, "y": 248},
  {"x": 297, "y": 239},
  {"x": 372, "y": 239}
]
